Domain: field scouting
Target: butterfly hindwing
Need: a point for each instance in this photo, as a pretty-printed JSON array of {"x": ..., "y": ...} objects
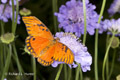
[
  {"x": 47, "y": 56},
  {"x": 63, "y": 53},
  {"x": 36, "y": 28},
  {"x": 36, "y": 44},
  {"x": 41, "y": 48}
]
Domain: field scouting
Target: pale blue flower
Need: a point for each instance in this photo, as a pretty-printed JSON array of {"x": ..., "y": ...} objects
[
  {"x": 5, "y": 78},
  {"x": 4, "y": 1},
  {"x": 111, "y": 26},
  {"x": 71, "y": 17},
  {"x": 81, "y": 55},
  {"x": 114, "y": 8},
  {"x": 6, "y": 13},
  {"x": 10, "y": 1}
]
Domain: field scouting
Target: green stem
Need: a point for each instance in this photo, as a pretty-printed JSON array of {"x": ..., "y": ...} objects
[
  {"x": 96, "y": 56},
  {"x": 34, "y": 67},
  {"x": 17, "y": 60},
  {"x": 96, "y": 42},
  {"x": 102, "y": 10},
  {"x": 55, "y": 9},
  {"x": 108, "y": 36},
  {"x": 107, "y": 61},
  {"x": 85, "y": 26},
  {"x": 59, "y": 71},
  {"x": 1, "y": 58},
  {"x": 13, "y": 9},
  {"x": 81, "y": 76},
  {"x": 69, "y": 74},
  {"x": 106, "y": 55},
  {"x": 107, "y": 68},
  {"x": 65, "y": 71},
  {"x": 77, "y": 72},
  {"x": 5, "y": 52},
  {"x": 2, "y": 27},
  {"x": 1, "y": 49},
  {"x": 7, "y": 63},
  {"x": 17, "y": 11},
  {"x": 113, "y": 62}
]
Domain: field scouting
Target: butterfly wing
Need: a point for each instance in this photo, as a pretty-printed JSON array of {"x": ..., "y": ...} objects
[
  {"x": 63, "y": 53},
  {"x": 39, "y": 35},
  {"x": 36, "y": 44},
  {"x": 36, "y": 28},
  {"x": 47, "y": 51},
  {"x": 41, "y": 48},
  {"x": 47, "y": 55},
  {"x": 39, "y": 38},
  {"x": 56, "y": 52}
]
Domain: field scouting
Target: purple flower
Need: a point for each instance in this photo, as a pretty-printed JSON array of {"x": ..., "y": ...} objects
[
  {"x": 81, "y": 55},
  {"x": 71, "y": 17},
  {"x": 5, "y": 78},
  {"x": 4, "y": 1},
  {"x": 10, "y": 2},
  {"x": 7, "y": 13},
  {"x": 112, "y": 26},
  {"x": 115, "y": 7}
]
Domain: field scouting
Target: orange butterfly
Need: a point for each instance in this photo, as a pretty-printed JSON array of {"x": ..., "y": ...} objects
[{"x": 42, "y": 44}]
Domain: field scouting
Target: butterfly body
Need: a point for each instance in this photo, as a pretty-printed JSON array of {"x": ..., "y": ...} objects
[{"x": 43, "y": 45}]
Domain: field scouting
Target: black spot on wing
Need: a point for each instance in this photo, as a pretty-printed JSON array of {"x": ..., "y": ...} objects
[
  {"x": 66, "y": 48},
  {"x": 41, "y": 25},
  {"x": 27, "y": 23},
  {"x": 28, "y": 26},
  {"x": 43, "y": 29},
  {"x": 62, "y": 48},
  {"x": 28, "y": 30},
  {"x": 47, "y": 30},
  {"x": 33, "y": 39},
  {"x": 51, "y": 57}
]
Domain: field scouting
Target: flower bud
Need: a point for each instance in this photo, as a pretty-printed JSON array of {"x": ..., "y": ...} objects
[
  {"x": 115, "y": 42},
  {"x": 118, "y": 77},
  {"x": 7, "y": 38},
  {"x": 25, "y": 12}
]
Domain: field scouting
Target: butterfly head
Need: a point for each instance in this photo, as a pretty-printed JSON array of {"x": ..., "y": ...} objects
[{"x": 57, "y": 39}]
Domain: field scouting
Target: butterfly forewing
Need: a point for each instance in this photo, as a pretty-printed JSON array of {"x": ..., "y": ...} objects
[{"x": 36, "y": 28}]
